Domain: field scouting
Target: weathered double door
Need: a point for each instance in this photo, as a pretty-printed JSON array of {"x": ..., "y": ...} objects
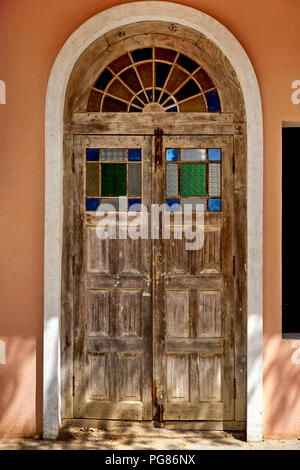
[{"x": 153, "y": 307}]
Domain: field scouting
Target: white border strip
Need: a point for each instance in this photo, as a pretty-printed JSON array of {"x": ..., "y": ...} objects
[{"x": 87, "y": 33}]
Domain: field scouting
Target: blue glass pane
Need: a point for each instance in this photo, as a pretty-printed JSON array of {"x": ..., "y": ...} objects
[
  {"x": 137, "y": 102},
  {"x": 172, "y": 110},
  {"x": 172, "y": 155},
  {"x": 134, "y": 155},
  {"x": 213, "y": 102},
  {"x": 157, "y": 95},
  {"x": 214, "y": 205},
  {"x": 133, "y": 109},
  {"x": 164, "y": 97},
  {"x": 134, "y": 205},
  {"x": 92, "y": 204},
  {"x": 142, "y": 96},
  {"x": 214, "y": 155},
  {"x": 92, "y": 155},
  {"x": 169, "y": 102},
  {"x": 172, "y": 205},
  {"x": 149, "y": 94}
]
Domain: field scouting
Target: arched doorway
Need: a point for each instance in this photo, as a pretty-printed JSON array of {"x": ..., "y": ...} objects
[{"x": 148, "y": 328}]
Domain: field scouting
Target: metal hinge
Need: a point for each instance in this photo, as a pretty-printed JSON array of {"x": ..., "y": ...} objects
[
  {"x": 234, "y": 388},
  {"x": 158, "y": 146},
  {"x": 160, "y": 413},
  {"x": 233, "y": 265},
  {"x": 73, "y": 386},
  {"x": 159, "y": 416},
  {"x": 233, "y": 163}
]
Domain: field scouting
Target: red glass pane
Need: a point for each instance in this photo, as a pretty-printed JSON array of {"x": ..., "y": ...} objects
[
  {"x": 94, "y": 102},
  {"x": 118, "y": 89},
  {"x": 120, "y": 64},
  {"x": 175, "y": 80},
  {"x": 111, "y": 105},
  {"x": 146, "y": 74}
]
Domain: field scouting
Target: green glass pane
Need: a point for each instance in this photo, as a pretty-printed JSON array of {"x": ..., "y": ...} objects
[
  {"x": 92, "y": 179},
  {"x": 113, "y": 179},
  {"x": 193, "y": 179}
]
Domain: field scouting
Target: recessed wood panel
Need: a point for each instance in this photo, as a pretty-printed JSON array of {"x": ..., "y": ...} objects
[
  {"x": 98, "y": 312},
  {"x": 97, "y": 252},
  {"x": 176, "y": 255},
  {"x": 212, "y": 250},
  {"x": 130, "y": 256},
  {"x": 178, "y": 377},
  {"x": 210, "y": 378},
  {"x": 177, "y": 312},
  {"x": 98, "y": 376},
  {"x": 209, "y": 314},
  {"x": 129, "y": 313},
  {"x": 208, "y": 259},
  {"x": 130, "y": 372}
]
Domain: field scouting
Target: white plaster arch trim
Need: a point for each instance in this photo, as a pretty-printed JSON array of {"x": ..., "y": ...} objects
[{"x": 88, "y": 32}]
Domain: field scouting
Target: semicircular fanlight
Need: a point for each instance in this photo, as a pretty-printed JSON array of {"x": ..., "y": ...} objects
[{"x": 154, "y": 79}]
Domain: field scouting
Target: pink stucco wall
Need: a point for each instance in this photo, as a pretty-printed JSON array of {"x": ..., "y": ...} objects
[{"x": 31, "y": 34}]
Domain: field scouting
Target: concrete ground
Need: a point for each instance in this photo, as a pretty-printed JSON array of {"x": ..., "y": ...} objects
[{"x": 76, "y": 438}]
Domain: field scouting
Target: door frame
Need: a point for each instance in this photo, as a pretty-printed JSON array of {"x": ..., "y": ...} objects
[{"x": 86, "y": 34}]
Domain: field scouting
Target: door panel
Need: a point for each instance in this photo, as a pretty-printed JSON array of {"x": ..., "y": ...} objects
[
  {"x": 113, "y": 318},
  {"x": 193, "y": 332}
]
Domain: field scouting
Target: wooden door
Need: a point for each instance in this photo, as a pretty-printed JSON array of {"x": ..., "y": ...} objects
[
  {"x": 112, "y": 282},
  {"x": 193, "y": 289},
  {"x": 150, "y": 314}
]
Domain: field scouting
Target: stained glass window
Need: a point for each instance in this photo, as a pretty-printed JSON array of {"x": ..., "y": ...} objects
[
  {"x": 113, "y": 180},
  {"x": 194, "y": 177},
  {"x": 134, "y": 205},
  {"x": 92, "y": 155},
  {"x": 111, "y": 175},
  {"x": 92, "y": 204},
  {"x": 214, "y": 205},
  {"x": 160, "y": 75},
  {"x": 190, "y": 155},
  {"x": 113, "y": 155},
  {"x": 214, "y": 180},
  {"x": 172, "y": 155},
  {"x": 92, "y": 179},
  {"x": 172, "y": 180},
  {"x": 134, "y": 155},
  {"x": 172, "y": 204},
  {"x": 214, "y": 155}
]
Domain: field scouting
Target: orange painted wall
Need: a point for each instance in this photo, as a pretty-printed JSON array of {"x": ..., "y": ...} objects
[{"x": 31, "y": 34}]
